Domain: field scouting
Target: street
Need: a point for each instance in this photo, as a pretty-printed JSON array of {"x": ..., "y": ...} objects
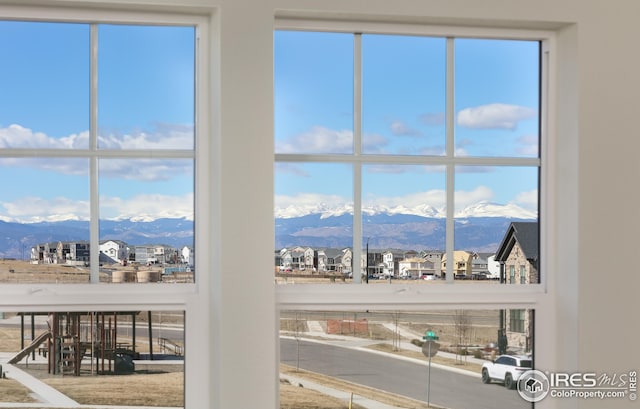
[{"x": 448, "y": 388}]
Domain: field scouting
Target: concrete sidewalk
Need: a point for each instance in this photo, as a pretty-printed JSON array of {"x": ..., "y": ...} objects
[{"x": 342, "y": 395}]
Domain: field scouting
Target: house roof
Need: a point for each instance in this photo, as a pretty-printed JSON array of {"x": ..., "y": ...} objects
[
  {"x": 333, "y": 252},
  {"x": 523, "y": 233},
  {"x": 458, "y": 255}
]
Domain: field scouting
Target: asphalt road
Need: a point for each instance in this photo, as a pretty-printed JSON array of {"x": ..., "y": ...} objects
[{"x": 447, "y": 388}]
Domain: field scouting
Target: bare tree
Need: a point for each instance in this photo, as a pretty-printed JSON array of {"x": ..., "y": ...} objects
[
  {"x": 396, "y": 333},
  {"x": 462, "y": 324}
]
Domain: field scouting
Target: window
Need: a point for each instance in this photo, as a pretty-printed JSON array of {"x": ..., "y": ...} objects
[
  {"x": 399, "y": 151},
  {"x": 105, "y": 155},
  {"x": 396, "y": 143},
  {"x": 517, "y": 320},
  {"x": 98, "y": 133}
]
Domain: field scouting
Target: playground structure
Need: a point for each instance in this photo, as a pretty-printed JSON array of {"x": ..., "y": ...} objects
[{"x": 82, "y": 340}]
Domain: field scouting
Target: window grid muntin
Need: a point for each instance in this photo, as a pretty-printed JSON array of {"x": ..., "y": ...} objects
[
  {"x": 54, "y": 15},
  {"x": 450, "y": 160},
  {"x": 191, "y": 298}
]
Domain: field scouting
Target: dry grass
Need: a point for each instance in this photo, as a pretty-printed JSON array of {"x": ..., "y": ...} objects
[
  {"x": 299, "y": 397},
  {"x": 13, "y": 271},
  {"x": 23, "y": 272},
  {"x": 10, "y": 340},
  {"x": 460, "y": 363},
  {"x": 164, "y": 389},
  {"x": 147, "y": 389},
  {"x": 14, "y": 392}
]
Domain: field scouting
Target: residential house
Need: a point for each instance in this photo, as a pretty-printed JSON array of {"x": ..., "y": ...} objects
[
  {"x": 518, "y": 257},
  {"x": 144, "y": 255},
  {"x": 308, "y": 258},
  {"x": 164, "y": 254},
  {"x": 518, "y": 254},
  {"x": 284, "y": 260},
  {"x": 116, "y": 250},
  {"x": 297, "y": 258},
  {"x": 462, "y": 267},
  {"x": 372, "y": 262},
  {"x": 76, "y": 253},
  {"x": 390, "y": 260},
  {"x": 416, "y": 267},
  {"x": 345, "y": 261},
  {"x": 188, "y": 255},
  {"x": 435, "y": 256},
  {"x": 332, "y": 260},
  {"x": 480, "y": 266}
]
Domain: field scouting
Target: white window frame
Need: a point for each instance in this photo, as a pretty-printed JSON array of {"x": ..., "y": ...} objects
[
  {"x": 192, "y": 298},
  {"x": 406, "y": 297},
  {"x": 214, "y": 368}
]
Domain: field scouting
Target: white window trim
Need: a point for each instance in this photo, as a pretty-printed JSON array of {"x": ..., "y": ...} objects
[
  {"x": 401, "y": 297},
  {"x": 546, "y": 215},
  {"x": 193, "y": 298},
  {"x": 207, "y": 369}
]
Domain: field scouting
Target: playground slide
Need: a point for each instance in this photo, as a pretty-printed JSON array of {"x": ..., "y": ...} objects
[{"x": 31, "y": 347}]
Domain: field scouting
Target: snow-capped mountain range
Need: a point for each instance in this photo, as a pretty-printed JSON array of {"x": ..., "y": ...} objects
[
  {"x": 480, "y": 209},
  {"x": 480, "y": 228}
]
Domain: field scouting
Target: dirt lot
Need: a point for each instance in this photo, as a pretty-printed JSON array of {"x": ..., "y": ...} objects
[{"x": 22, "y": 272}]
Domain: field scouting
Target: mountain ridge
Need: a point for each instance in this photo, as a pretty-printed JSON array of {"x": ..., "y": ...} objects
[{"x": 479, "y": 228}]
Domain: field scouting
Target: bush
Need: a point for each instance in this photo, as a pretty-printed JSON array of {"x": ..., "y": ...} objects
[{"x": 477, "y": 354}]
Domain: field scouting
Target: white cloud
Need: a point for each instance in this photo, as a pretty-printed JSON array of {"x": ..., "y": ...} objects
[
  {"x": 166, "y": 136},
  {"x": 479, "y": 194},
  {"x": 494, "y": 116},
  {"x": 374, "y": 143},
  {"x": 17, "y": 136},
  {"x": 147, "y": 207},
  {"x": 144, "y": 207},
  {"x": 399, "y": 128},
  {"x": 318, "y": 140},
  {"x": 149, "y": 170},
  {"x": 163, "y": 136},
  {"x": 431, "y": 203},
  {"x": 527, "y": 200},
  {"x": 528, "y": 145},
  {"x": 36, "y": 209}
]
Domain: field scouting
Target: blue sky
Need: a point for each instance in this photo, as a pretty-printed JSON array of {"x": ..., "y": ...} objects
[
  {"x": 403, "y": 90},
  {"x": 145, "y": 101}
]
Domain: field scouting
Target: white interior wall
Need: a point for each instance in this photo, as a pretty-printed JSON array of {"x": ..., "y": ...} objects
[{"x": 597, "y": 84}]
